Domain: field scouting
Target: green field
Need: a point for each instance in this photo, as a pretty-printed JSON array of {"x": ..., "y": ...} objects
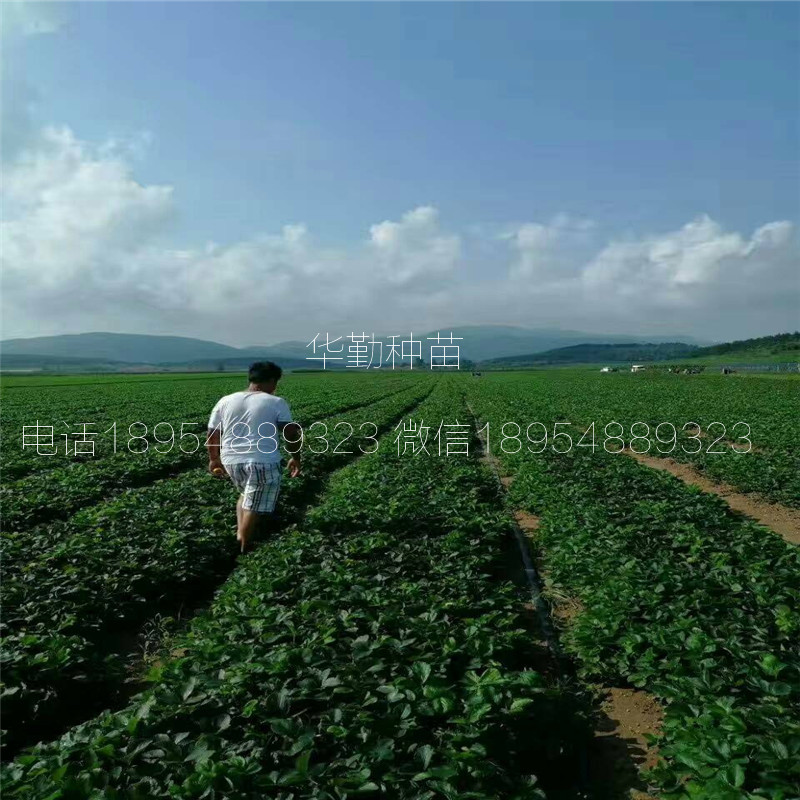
[{"x": 381, "y": 643}]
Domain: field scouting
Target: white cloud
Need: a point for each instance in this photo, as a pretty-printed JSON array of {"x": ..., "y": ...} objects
[
  {"x": 547, "y": 251},
  {"x": 414, "y": 249},
  {"x": 773, "y": 234},
  {"x": 81, "y": 250},
  {"x": 684, "y": 265},
  {"x": 32, "y": 18},
  {"x": 75, "y": 215}
]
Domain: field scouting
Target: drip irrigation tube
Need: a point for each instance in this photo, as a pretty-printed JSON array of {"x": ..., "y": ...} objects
[
  {"x": 540, "y": 604},
  {"x": 532, "y": 576}
]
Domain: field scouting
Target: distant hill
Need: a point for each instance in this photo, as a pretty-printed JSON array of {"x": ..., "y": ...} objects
[
  {"x": 130, "y": 347},
  {"x": 484, "y": 342},
  {"x": 124, "y": 351},
  {"x": 599, "y": 353},
  {"x": 780, "y": 348},
  {"x": 104, "y": 352}
]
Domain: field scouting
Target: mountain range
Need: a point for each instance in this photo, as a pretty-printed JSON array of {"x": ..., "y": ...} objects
[
  {"x": 778, "y": 349},
  {"x": 116, "y": 351}
]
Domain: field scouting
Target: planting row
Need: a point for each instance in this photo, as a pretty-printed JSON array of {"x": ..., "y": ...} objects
[
  {"x": 682, "y": 598},
  {"x": 69, "y": 588},
  {"x": 710, "y": 404},
  {"x": 111, "y": 408},
  {"x": 98, "y": 404},
  {"x": 376, "y": 651},
  {"x": 61, "y": 490}
]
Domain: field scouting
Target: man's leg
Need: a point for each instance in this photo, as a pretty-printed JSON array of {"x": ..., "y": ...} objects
[
  {"x": 256, "y": 513},
  {"x": 247, "y": 528},
  {"x": 238, "y": 517},
  {"x": 268, "y": 497}
]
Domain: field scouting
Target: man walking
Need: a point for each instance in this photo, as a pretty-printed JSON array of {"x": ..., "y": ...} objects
[{"x": 243, "y": 445}]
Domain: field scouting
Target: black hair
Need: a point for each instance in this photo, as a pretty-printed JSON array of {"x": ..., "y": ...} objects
[{"x": 263, "y": 371}]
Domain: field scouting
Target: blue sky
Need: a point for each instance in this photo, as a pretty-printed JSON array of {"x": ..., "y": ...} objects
[{"x": 633, "y": 119}]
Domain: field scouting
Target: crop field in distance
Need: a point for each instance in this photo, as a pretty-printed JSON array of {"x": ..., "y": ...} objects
[{"x": 528, "y": 584}]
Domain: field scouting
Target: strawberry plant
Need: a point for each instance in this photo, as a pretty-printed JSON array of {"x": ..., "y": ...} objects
[
  {"x": 680, "y": 596},
  {"x": 376, "y": 650},
  {"x": 70, "y": 587},
  {"x": 55, "y": 490}
]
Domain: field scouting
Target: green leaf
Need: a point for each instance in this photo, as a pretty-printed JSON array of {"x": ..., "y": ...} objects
[
  {"x": 201, "y": 753},
  {"x": 301, "y": 763},
  {"x": 424, "y": 754},
  {"x": 423, "y": 671},
  {"x": 735, "y": 775},
  {"x": 223, "y": 722}
]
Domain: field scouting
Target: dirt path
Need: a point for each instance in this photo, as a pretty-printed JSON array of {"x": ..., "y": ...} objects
[
  {"x": 621, "y": 748},
  {"x": 782, "y": 520}
]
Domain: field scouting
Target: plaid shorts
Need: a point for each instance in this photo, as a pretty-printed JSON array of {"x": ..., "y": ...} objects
[{"x": 259, "y": 484}]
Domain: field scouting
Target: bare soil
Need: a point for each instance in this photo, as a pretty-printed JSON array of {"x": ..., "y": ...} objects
[
  {"x": 564, "y": 609},
  {"x": 621, "y": 749},
  {"x": 527, "y": 522}
]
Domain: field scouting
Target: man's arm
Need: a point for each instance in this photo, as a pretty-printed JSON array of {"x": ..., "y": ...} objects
[
  {"x": 213, "y": 440},
  {"x": 293, "y": 436},
  {"x": 212, "y": 446}
]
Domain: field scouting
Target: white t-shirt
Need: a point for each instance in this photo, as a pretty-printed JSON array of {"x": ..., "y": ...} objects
[{"x": 248, "y": 424}]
